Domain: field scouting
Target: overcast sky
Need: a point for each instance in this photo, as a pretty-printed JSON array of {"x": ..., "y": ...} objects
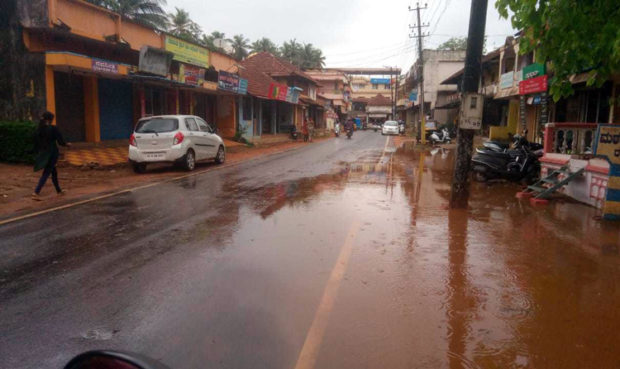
[{"x": 354, "y": 33}]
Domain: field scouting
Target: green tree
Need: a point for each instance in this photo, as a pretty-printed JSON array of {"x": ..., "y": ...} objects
[
  {"x": 181, "y": 25},
  {"x": 148, "y": 12},
  {"x": 240, "y": 47},
  {"x": 574, "y": 36},
  {"x": 454, "y": 43},
  {"x": 311, "y": 57},
  {"x": 291, "y": 52},
  {"x": 264, "y": 45}
]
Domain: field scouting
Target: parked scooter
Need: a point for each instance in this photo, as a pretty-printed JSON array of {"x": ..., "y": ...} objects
[
  {"x": 435, "y": 138},
  {"x": 293, "y": 133},
  {"x": 337, "y": 129},
  {"x": 516, "y": 165},
  {"x": 401, "y": 127},
  {"x": 349, "y": 133}
]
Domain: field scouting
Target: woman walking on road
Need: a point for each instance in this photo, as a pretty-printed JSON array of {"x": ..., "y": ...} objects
[{"x": 45, "y": 139}]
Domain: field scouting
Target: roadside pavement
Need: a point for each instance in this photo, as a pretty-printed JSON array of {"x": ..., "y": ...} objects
[{"x": 80, "y": 182}]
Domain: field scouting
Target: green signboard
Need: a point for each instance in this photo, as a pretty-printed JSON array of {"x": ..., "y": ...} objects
[
  {"x": 186, "y": 52},
  {"x": 533, "y": 70}
]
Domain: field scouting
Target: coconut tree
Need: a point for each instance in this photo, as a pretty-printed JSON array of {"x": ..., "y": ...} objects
[
  {"x": 291, "y": 51},
  {"x": 209, "y": 41},
  {"x": 264, "y": 45},
  {"x": 240, "y": 46},
  {"x": 311, "y": 57},
  {"x": 181, "y": 25},
  {"x": 148, "y": 12}
]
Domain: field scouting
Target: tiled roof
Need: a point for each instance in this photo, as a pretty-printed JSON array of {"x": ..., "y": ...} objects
[
  {"x": 380, "y": 100},
  {"x": 274, "y": 66},
  {"x": 258, "y": 82}
]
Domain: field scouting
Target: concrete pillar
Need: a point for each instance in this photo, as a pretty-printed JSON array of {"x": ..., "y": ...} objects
[{"x": 91, "y": 109}]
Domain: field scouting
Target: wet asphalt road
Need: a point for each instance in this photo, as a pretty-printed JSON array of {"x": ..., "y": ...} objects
[{"x": 338, "y": 255}]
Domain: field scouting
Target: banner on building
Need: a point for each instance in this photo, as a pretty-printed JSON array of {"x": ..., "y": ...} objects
[
  {"x": 607, "y": 145},
  {"x": 103, "y": 66},
  {"x": 228, "y": 82},
  {"x": 533, "y": 70},
  {"x": 187, "y": 53},
  {"x": 155, "y": 61},
  {"x": 292, "y": 94},
  {"x": 243, "y": 86},
  {"x": 278, "y": 92},
  {"x": 191, "y": 75},
  {"x": 506, "y": 80},
  {"x": 533, "y": 85},
  {"x": 413, "y": 96},
  {"x": 380, "y": 81}
]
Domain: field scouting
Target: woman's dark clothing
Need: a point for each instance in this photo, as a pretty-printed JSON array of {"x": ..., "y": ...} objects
[{"x": 45, "y": 144}]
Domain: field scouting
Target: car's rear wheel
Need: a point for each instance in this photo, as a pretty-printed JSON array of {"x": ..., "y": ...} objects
[
  {"x": 189, "y": 160},
  {"x": 139, "y": 167},
  {"x": 221, "y": 155}
]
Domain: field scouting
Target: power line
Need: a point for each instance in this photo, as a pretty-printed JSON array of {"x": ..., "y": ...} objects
[{"x": 441, "y": 15}]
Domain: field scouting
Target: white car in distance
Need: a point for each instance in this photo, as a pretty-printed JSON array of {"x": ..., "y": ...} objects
[
  {"x": 390, "y": 127},
  {"x": 182, "y": 139}
]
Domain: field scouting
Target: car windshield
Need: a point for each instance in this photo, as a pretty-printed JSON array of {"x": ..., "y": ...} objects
[
  {"x": 157, "y": 125},
  {"x": 390, "y": 123}
]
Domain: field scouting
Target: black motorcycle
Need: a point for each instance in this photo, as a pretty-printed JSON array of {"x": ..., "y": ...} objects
[
  {"x": 349, "y": 133},
  {"x": 293, "y": 133},
  {"x": 515, "y": 165}
]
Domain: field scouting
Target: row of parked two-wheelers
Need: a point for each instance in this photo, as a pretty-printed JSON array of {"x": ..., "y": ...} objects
[{"x": 496, "y": 160}]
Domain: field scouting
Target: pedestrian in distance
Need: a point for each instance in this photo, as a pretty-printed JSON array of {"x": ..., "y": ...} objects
[
  {"x": 46, "y": 140},
  {"x": 304, "y": 130},
  {"x": 310, "y": 129}
]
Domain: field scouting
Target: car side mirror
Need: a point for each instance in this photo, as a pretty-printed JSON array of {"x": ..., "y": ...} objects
[{"x": 113, "y": 360}]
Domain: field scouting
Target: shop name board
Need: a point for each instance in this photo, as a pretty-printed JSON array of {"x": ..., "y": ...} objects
[
  {"x": 278, "y": 92},
  {"x": 379, "y": 109},
  {"x": 243, "y": 86},
  {"x": 533, "y": 70},
  {"x": 154, "y": 61},
  {"x": 506, "y": 80},
  {"x": 380, "y": 81},
  {"x": 228, "y": 81},
  {"x": 292, "y": 94},
  {"x": 608, "y": 143},
  {"x": 187, "y": 53},
  {"x": 413, "y": 96},
  {"x": 533, "y": 85},
  {"x": 191, "y": 75},
  {"x": 104, "y": 66}
]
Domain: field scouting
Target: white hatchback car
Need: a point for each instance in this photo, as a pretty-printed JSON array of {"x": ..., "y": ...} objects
[
  {"x": 390, "y": 127},
  {"x": 183, "y": 139}
]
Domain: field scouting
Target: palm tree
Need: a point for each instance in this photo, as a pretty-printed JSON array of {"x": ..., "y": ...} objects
[
  {"x": 240, "y": 46},
  {"x": 264, "y": 45},
  {"x": 148, "y": 12},
  {"x": 181, "y": 25},
  {"x": 291, "y": 52}
]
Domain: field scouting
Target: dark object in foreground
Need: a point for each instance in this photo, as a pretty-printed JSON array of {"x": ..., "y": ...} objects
[
  {"x": 515, "y": 165},
  {"x": 113, "y": 360}
]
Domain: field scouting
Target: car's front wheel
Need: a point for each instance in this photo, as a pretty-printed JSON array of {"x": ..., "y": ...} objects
[
  {"x": 189, "y": 160},
  {"x": 221, "y": 155}
]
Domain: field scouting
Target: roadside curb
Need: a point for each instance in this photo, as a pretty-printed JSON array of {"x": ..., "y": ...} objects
[{"x": 21, "y": 215}]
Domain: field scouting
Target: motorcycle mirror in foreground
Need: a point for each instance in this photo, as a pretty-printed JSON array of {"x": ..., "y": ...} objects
[{"x": 113, "y": 360}]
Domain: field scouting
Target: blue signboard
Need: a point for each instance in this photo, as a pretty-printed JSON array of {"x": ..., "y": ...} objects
[
  {"x": 413, "y": 96},
  {"x": 243, "y": 86},
  {"x": 380, "y": 81}
]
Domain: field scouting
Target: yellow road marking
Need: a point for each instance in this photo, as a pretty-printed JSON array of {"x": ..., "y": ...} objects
[{"x": 309, "y": 352}]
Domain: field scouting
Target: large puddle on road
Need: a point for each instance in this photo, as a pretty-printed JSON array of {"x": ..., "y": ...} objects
[{"x": 501, "y": 285}]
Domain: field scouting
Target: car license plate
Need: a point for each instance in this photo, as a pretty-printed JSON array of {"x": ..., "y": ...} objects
[{"x": 155, "y": 156}]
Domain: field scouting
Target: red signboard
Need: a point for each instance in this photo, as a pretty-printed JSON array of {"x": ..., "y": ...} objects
[
  {"x": 533, "y": 85},
  {"x": 278, "y": 92}
]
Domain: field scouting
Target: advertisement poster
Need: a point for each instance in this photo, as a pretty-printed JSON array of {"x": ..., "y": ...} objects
[{"x": 228, "y": 82}]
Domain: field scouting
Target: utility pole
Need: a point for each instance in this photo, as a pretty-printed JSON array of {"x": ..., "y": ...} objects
[
  {"x": 395, "y": 96},
  {"x": 469, "y": 88},
  {"x": 420, "y": 124}
]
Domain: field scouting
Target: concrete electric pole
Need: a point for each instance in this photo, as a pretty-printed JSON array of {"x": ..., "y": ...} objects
[
  {"x": 471, "y": 104},
  {"x": 421, "y": 124}
]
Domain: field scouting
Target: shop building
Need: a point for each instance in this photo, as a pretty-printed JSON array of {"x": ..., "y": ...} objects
[{"x": 99, "y": 73}]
